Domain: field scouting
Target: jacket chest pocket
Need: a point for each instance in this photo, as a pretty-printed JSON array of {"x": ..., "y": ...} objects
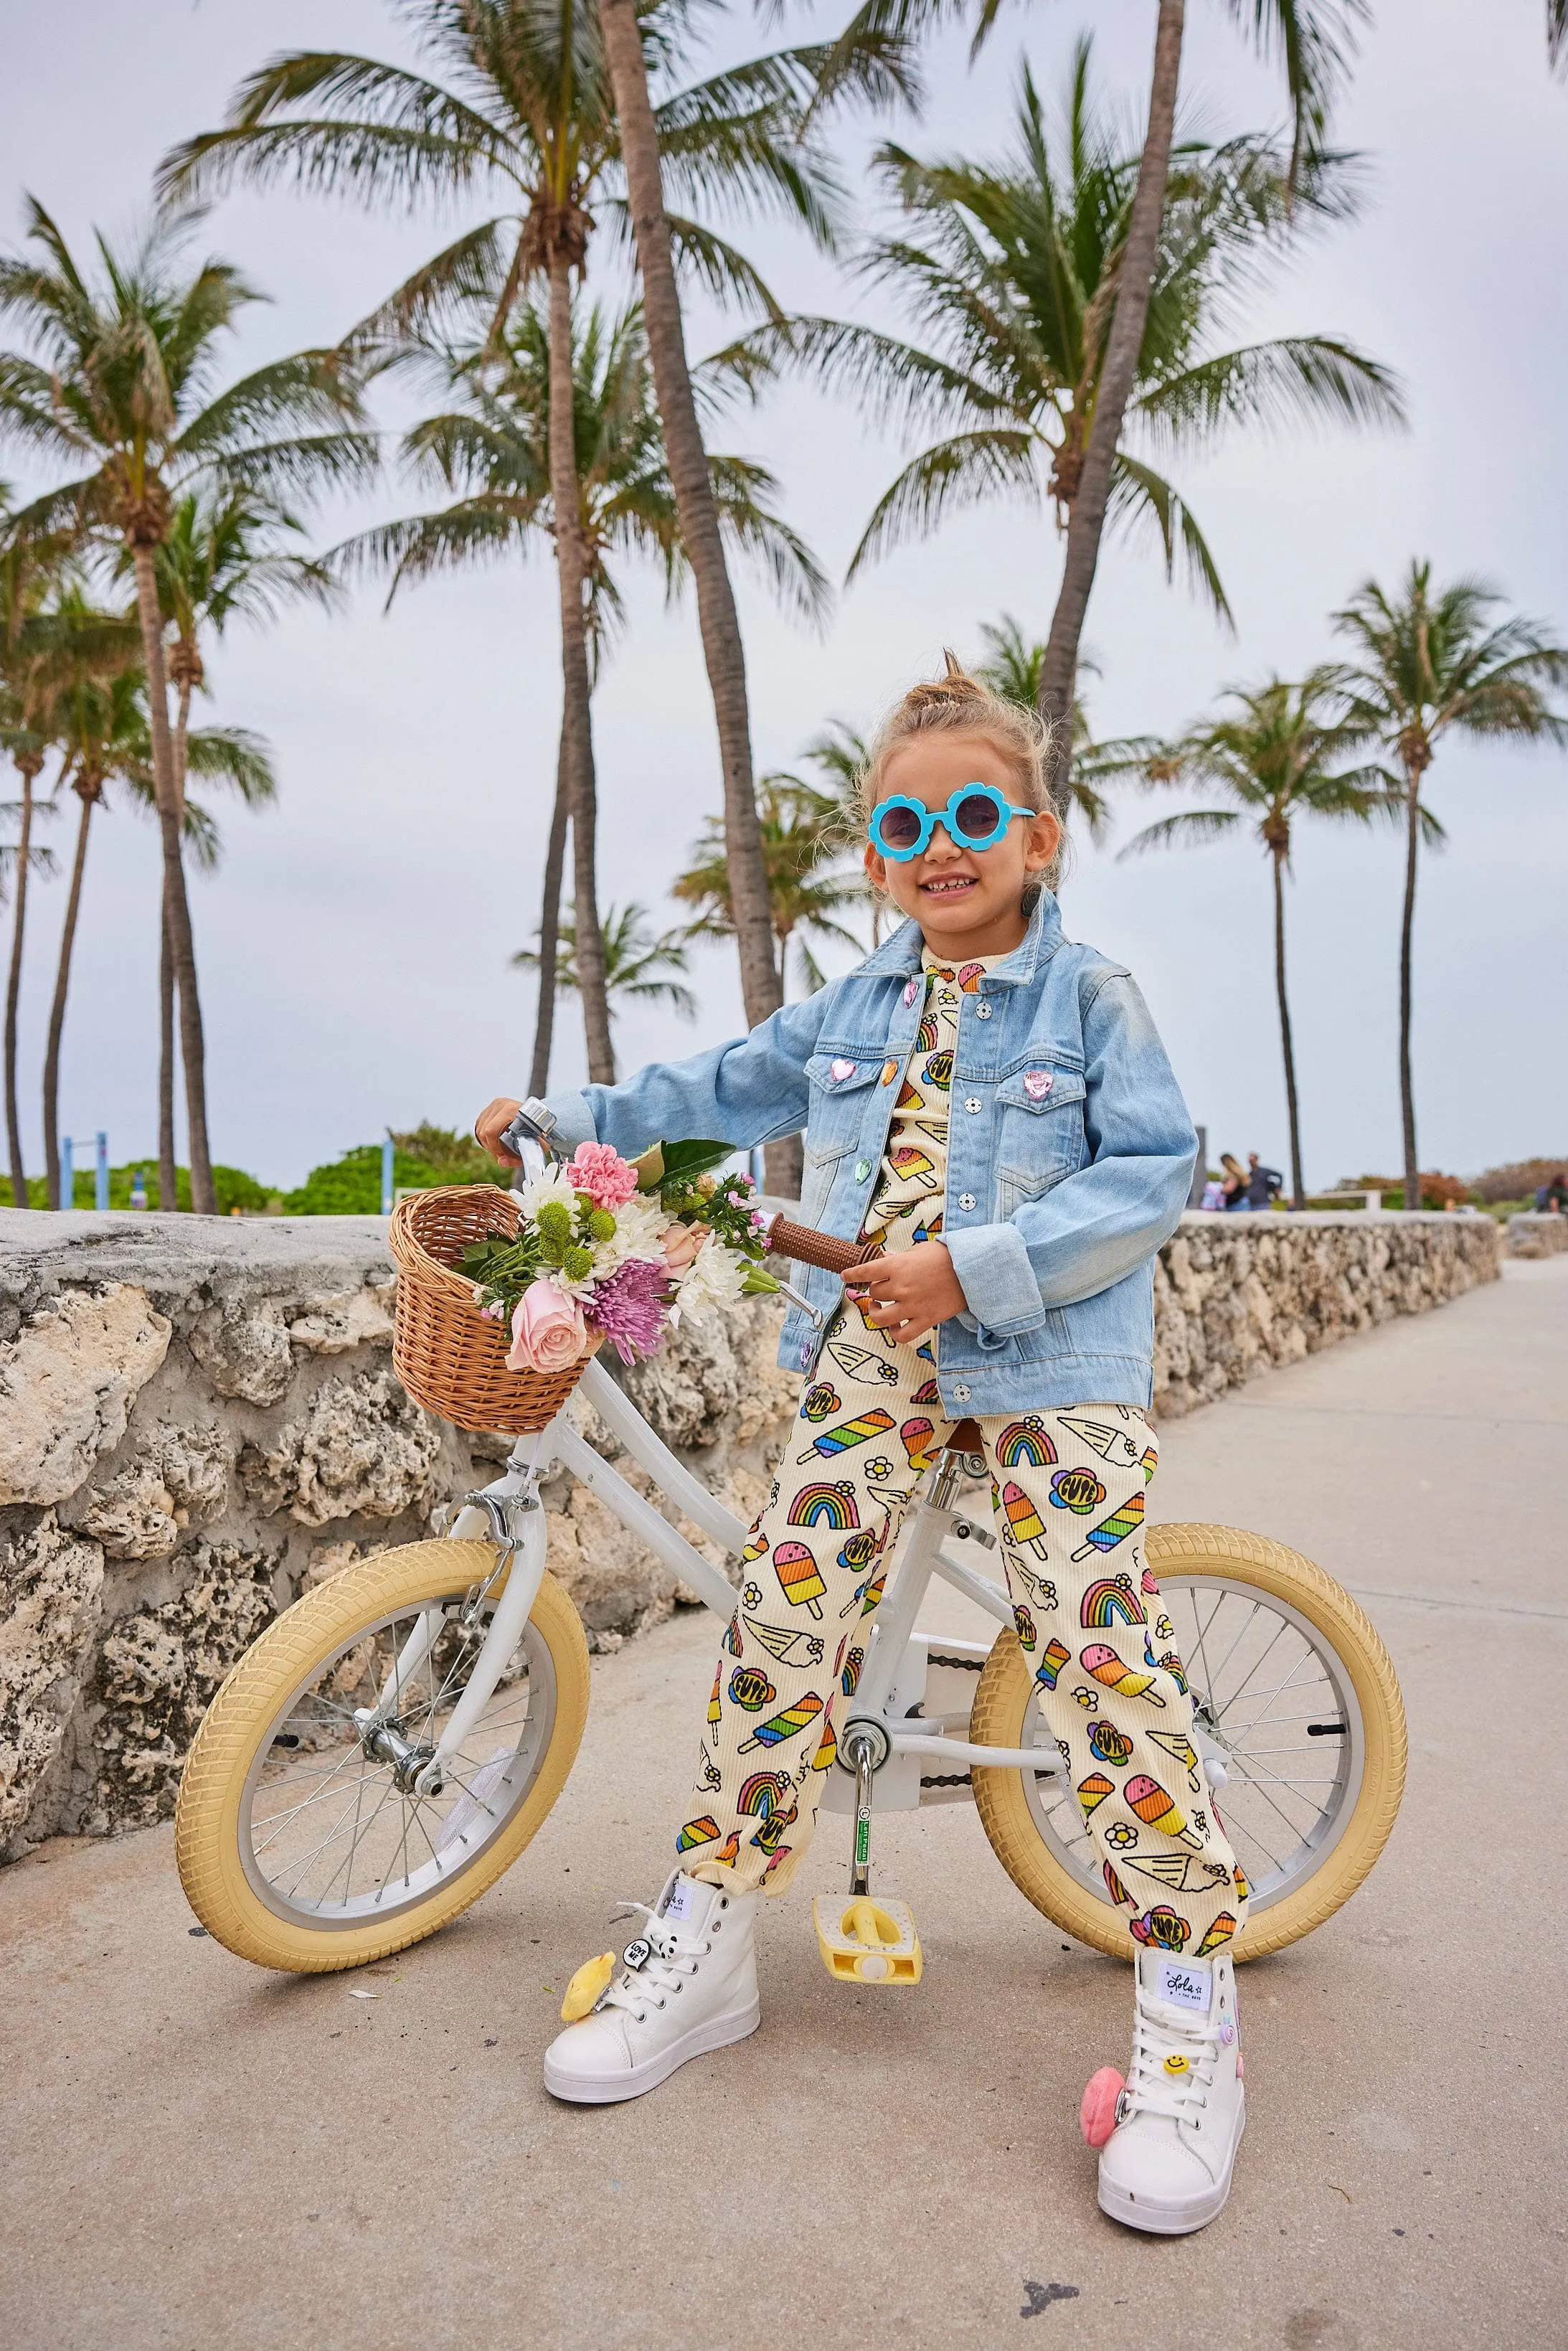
[
  {"x": 1040, "y": 1134},
  {"x": 842, "y": 1090}
]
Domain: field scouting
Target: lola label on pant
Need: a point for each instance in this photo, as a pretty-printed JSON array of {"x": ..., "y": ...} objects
[{"x": 1068, "y": 1492}]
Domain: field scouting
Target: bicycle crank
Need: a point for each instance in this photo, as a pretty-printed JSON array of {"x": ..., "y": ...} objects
[{"x": 863, "y": 1940}]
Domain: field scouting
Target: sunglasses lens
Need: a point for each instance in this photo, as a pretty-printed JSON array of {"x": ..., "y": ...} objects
[
  {"x": 977, "y": 816},
  {"x": 899, "y": 827}
]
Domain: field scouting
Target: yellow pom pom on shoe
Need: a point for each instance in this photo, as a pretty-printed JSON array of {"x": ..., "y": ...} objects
[{"x": 587, "y": 1987}]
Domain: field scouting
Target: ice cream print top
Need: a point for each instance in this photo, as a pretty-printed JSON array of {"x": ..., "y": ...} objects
[
  {"x": 909, "y": 1194},
  {"x": 1069, "y": 1151}
]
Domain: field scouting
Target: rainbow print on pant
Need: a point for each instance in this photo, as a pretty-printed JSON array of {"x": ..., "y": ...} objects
[
  {"x": 1112, "y": 1601},
  {"x": 1025, "y": 1441},
  {"x": 821, "y": 1505}
]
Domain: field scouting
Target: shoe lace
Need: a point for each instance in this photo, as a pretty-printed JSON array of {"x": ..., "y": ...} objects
[
  {"x": 1151, "y": 2090},
  {"x": 672, "y": 1958}
]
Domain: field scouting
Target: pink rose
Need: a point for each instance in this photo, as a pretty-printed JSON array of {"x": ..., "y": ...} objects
[
  {"x": 548, "y": 1330},
  {"x": 681, "y": 1244},
  {"x": 609, "y": 1180}
]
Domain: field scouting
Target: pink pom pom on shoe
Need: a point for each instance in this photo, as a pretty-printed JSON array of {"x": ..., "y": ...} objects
[{"x": 1097, "y": 2112}]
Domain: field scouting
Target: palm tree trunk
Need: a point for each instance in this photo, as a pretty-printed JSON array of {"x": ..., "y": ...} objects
[
  {"x": 1407, "y": 934},
  {"x": 1297, "y": 1193},
  {"x": 193, "y": 1050},
  {"x": 550, "y": 924},
  {"x": 28, "y": 768},
  {"x": 168, "y": 1172},
  {"x": 577, "y": 738},
  {"x": 759, "y": 980},
  {"x": 1086, "y": 515},
  {"x": 57, "y": 1010}
]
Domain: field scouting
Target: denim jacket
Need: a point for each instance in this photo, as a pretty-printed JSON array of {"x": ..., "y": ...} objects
[{"x": 1070, "y": 1155}]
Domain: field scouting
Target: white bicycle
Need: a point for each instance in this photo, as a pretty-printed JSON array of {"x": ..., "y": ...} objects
[{"x": 390, "y": 1744}]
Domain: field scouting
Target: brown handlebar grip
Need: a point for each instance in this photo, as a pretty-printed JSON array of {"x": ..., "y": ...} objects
[{"x": 809, "y": 1248}]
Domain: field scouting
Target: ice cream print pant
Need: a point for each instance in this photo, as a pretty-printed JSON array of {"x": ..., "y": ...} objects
[{"x": 1068, "y": 1490}]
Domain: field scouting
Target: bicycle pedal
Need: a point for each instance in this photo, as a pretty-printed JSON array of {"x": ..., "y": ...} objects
[{"x": 864, "y": 1940}]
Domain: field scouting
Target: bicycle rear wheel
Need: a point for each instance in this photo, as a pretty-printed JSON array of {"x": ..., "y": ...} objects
[
  {"x": 1294, "y": 1688},
  {"x": 297, "y": 1848}
]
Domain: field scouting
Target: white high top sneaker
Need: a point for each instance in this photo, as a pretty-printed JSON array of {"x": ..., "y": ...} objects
[
  {"x": 699, "y": 1941},
  {"x": 1167, "y": 2166}
]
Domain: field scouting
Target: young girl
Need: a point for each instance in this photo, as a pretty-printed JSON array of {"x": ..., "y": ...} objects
[{"x": 991, "y": 1103}]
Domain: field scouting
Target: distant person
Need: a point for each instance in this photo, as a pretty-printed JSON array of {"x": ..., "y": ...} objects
[
  {"x": 1263, "y": 1184},
  {"x": 1233, "y": 1188},
  {"x": 1213, "y": 1194},
  {"x": 1551, "y": 1200}
]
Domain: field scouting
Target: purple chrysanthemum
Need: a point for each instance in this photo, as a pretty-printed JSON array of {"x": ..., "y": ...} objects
[{"x": 629, "y": 1307}]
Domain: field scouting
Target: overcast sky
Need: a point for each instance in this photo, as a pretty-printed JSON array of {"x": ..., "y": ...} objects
[{"x": 354, "y": 950}]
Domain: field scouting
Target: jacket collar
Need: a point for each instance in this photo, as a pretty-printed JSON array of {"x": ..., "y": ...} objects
[{"x": 901, "y": 953}]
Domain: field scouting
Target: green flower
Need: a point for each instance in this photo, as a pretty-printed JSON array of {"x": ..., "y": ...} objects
[
  {"x": 601, "y": 1224},
  {"x": 577, "y": 1264},
  {"x": 554, "y": 1222}
]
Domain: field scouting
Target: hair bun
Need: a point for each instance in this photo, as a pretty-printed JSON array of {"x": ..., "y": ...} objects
[{"x": 949, "y": 692}]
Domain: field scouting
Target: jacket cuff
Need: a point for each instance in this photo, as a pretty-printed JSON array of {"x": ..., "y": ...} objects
[
  {"x": 997, "y": 1279},
  {"x": 573, "y": 1123}
]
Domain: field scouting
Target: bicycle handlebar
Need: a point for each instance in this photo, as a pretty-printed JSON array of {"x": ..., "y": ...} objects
[{"x": 807, "y": 1247}]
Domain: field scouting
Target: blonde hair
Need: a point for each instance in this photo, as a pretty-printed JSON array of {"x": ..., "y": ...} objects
[{"x": 957, "y": 704}]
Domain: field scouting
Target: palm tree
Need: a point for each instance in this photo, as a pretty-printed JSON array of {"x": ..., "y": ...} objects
[
  {"x": 1012, "y": 668},
  {"x": 538, "y": 103},
  {"x": 1276, "y": 756},
  {"x": 43, "y": 647},
  {"x": 801, "y": 836},
  {"x": 492, "y": 449},
  {"x": 1010, "y": 270},
  {"x": 1557, "y": 33},
  {"x": 1427, "y": 663},
  {"x": 231, "y": 555},
  {"x": 125, "y": 386},
  {"x": 1314, "y": 40},
  {"x": 640, "y": 965},
  {"x": 103, "y": 728}
]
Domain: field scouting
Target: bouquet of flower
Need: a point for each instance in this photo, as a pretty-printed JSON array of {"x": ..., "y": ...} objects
[{"x": 619, "y": 1248}]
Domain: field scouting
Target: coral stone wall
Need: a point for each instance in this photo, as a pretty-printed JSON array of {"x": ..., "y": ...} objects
[
  {"x": 1237, "y": 1294},
  {"x": 1537, "y": 1235},
  {"x": 199, "y": 1420}
]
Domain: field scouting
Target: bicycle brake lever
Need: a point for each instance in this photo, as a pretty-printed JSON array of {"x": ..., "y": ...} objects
[{"x": 814, "y": 1314}]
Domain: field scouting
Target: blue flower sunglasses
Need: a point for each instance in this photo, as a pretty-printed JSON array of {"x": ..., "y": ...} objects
[{"x": 976, "y": 816}]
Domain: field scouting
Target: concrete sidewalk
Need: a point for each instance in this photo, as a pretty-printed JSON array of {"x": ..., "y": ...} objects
[{"x": 199, "y": 2155}]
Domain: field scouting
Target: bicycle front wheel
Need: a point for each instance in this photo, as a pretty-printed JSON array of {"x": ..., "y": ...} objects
[
  {"x": 297, "y": 1847},
  {"x": 1292, "y": 1688}
]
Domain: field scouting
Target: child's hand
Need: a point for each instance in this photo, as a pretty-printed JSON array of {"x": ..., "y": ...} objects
[
  {"x": 909, "y": 1293},
  {"x": 491, "y": 1124}
]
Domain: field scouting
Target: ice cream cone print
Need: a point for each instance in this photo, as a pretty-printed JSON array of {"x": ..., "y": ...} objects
[
  {"x": 1175, "y": 1871},
  {"x": 1100, "y": 1660},
  {"x": 870, "y": 1593},
  {"x": 1022, "y": 1522},
  {"x": 1151, "y": 1802},
  {"x": 702, "y": 1831},
  {"x": 1093, "y": 1791},
  {"x": 1242, "y": 1888},
  {"x": 1114, "y": 1885},
  {"x": 1110, "y": 1444},
  {"x": 860, "y": 1363},
  {"x": 909, "y": 1097},
  {"x": 715, "y": 1711},
  {"x": 1217, "y": 1937},
  {"x": 828, "y": 1751},
  {"x": 787, "y": 1725},
  {"x": 786, "y": 1647},
  {"x": 1177, "y": 1743}
]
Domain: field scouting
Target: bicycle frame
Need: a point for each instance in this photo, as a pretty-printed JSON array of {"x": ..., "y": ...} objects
[{"x": 920, "y": 1761}]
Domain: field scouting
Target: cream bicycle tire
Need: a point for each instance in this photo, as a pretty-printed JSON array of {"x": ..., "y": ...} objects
[
  {"x": 1203, "y": 1555},
  {"x": 222, "y": 1763}
]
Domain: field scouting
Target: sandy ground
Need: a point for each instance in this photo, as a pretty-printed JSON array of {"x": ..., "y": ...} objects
[{"x": 198, "y": 2154}]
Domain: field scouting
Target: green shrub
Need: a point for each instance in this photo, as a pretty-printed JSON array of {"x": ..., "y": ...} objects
[{"x": 351, "y": 1185}]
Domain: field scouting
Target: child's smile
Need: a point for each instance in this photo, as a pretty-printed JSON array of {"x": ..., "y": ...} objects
[{"x": 967, "y": 901}]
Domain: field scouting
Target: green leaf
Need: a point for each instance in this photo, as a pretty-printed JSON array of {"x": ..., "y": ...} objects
[{"x": 683, "y": 1161}]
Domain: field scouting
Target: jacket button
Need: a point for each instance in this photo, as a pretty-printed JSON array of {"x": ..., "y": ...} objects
[
  {"x": 982, "y": 1011},
  {"x": 962, "y": 1395},
  {"x": 966, "y": 1199},
  {"x": 863, "y": 1169},
  {"x": 973, "y": 1103}
]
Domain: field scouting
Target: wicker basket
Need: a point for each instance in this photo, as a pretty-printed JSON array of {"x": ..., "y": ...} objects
[{"x": 450, "y": 1358}]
